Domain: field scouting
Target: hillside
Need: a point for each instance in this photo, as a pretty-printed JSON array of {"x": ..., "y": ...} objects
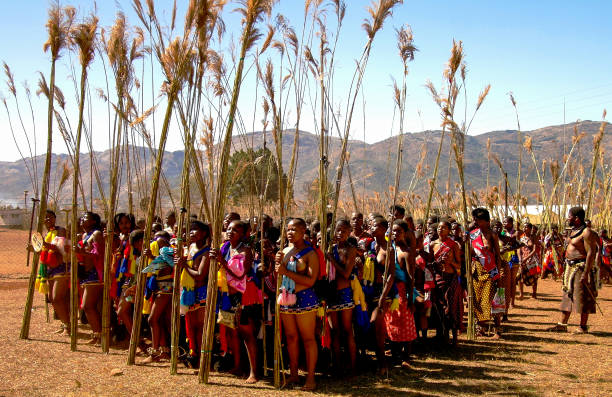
[{"x": 371, "y": 164}]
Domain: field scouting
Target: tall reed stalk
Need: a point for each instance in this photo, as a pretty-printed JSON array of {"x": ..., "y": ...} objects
[
  {"x": 596, "y": 152},
  {"x": 84, "y": 38},
  {"x": 58, "y": 27}
]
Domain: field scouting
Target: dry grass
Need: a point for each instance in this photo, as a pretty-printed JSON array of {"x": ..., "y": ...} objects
[{"x": 527, "y": 362}]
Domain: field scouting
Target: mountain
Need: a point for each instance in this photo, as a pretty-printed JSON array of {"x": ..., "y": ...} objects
[{"x": 372, "y": 165}]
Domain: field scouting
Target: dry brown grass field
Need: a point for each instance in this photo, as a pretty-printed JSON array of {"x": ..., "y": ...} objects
[{"x": 528, "y": 361}]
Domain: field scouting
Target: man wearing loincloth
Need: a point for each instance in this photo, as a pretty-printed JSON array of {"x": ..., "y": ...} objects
[{"x": 579, "y": 290}]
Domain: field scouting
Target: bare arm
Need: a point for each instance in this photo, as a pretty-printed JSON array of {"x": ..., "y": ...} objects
[{"x": 309, "y": 279}]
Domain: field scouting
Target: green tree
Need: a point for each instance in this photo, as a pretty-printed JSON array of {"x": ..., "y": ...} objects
[{"x": 250, "y": 171}]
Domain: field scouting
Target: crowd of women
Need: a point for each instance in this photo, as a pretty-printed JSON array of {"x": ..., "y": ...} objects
[{"x": 378, "y": 287}]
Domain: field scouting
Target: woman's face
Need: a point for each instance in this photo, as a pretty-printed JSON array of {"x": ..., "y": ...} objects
[
  {"x": 342, "y": 233},
  {"x": 196, "y": 235},
  {"x": 398, "y": 233},
  {"x": 377, "y": 229},
  {"x": 87, "y": 222},
  {"x": 49, "y": 221},
  {"x": 234, "y": 232},
  {"x": 295, "y": 232},
  {"x": 443, "y": 231},
  {"x": 125, "y": 226}
]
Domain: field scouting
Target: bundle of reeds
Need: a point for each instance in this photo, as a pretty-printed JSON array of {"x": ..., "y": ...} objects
[
  {"x": 252, "y": 11},
  {"x": 176, "y": 60},
  {"x": 459, "y": 133}
]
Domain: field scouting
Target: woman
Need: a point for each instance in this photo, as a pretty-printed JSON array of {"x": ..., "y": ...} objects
[
  {"x": 380, "y": 295},
  {"x": 400, "y": 325},
  {"x": 90, "y": 256},
  {"x": 54, "y": 274},
  {"x": 124, "y": 265},
  {"x": 340, "y": 306},
  {"x": 447, "y": 258},
  {"x": 159, "y": 289},
  {"x": 128, "y": 287},
  {"x": 194, "y": 282},
  {"x": 236, "y": 260},
  {"x": 298, "y": 264},
  {"x": 529, "y": 258}
]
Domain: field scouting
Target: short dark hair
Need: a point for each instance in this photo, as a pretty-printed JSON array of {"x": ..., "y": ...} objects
[
  {"x": 343, "y": 223},
  {"x": 49, "y": 212},
  {"x": 401, "y": 223},
  {"x": 382, "y": 221},
  {"x": 578, "y": 212},
  {"x": 298, "y": 221},
  {"x": 481, "y": 214},
  {"x": 136, "y": 235},
  {"x": 398, "y": 208}
]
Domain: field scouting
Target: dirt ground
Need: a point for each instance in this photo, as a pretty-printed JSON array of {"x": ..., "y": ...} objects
[{"x": 528, "y": 361}]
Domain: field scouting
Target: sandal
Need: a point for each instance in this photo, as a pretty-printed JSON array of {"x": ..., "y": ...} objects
[
  {"x": 560, "y": 327},
  {"x": 583, "y": 329}
]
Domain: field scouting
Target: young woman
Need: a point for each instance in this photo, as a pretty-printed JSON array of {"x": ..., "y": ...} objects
[
  {"x": 447, "y": 257},
  {"x": 529, "y": 258},
  {"x": 194, "y": 282},
  {"x": 380, "y": 295},
  {"x": 161, "y": 293},
  {"x": 236, "y": 260},
  {"x": 341, "y": 305},
  {"x": 53, "y": 274},
  {"x": 123, "y": 265},
  {"x": 400, "y": 323},
  {"x": 128, "y": 286},
  {"x": 298, "y": 264},
  {"x": 90, "y": 256}
]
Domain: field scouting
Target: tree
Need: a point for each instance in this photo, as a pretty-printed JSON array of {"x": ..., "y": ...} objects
[{"x": 251, "y": 171}]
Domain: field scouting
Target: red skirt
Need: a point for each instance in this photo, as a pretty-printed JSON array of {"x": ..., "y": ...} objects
[{"x": 400, "y": 323}]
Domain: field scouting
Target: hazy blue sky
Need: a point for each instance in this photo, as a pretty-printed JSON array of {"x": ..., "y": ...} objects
[{"x": 546, "y": 52}]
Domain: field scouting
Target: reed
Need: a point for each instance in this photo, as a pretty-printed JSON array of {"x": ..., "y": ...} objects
[
  {"x": 58, "y": 27},
  {"x": 252, "y": 12},
  {"x": 84, "y": 41},
  {"x": 176, "y": 60},
  {"x": 596, "y": 152}
]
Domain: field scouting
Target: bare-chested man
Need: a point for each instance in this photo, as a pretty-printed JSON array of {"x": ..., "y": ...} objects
[{"x": 578, "y": 281}]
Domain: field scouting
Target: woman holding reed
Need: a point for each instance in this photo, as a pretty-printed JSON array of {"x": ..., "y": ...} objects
[
  {"x": 340, "y": 305},
  {"x": 90, "y": 256},
  {"x": 194, "y": 282},
  {"x": 236, "y": 260},
  {"x": 298, "y": 265}
]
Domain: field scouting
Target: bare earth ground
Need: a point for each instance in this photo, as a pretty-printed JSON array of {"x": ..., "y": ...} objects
[{"x": 529, "y": 361}]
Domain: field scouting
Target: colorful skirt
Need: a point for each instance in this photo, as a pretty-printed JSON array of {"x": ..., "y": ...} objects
[
  {"x": 341, "y": 300},
  {"x": 90, "y": 277},
  {"x": 449, "y": 299},
  {"x": 62, "y": 270},
  {"x": 483, "y": 294},
  {"x": 193, "y": 299},
  {"x": 306, "y": 302},
  {"x": 399, "y": 323}
]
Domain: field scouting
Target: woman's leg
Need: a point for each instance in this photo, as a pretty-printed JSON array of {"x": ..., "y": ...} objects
[
  {"x": 160, "y": 302},
  {"x": 290, "y": 329},
  {"x": 124, "y": 310},
  {"x": 91, "y": 296},
  {"x": 347, "y": 328},
  {"x": 58, "y": 290},
  {"x": 306, "y": 324},
  {"x": 247, "y": 333},
  {"x": 381, "y": 334},
  {"x": 336, "y": 333}
]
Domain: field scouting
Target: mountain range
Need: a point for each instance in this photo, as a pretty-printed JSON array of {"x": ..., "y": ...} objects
[{"x": 372, "y": 165}]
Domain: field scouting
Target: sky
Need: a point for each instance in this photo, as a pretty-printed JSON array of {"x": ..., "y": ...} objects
[{"x": 554, "y": 56}]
